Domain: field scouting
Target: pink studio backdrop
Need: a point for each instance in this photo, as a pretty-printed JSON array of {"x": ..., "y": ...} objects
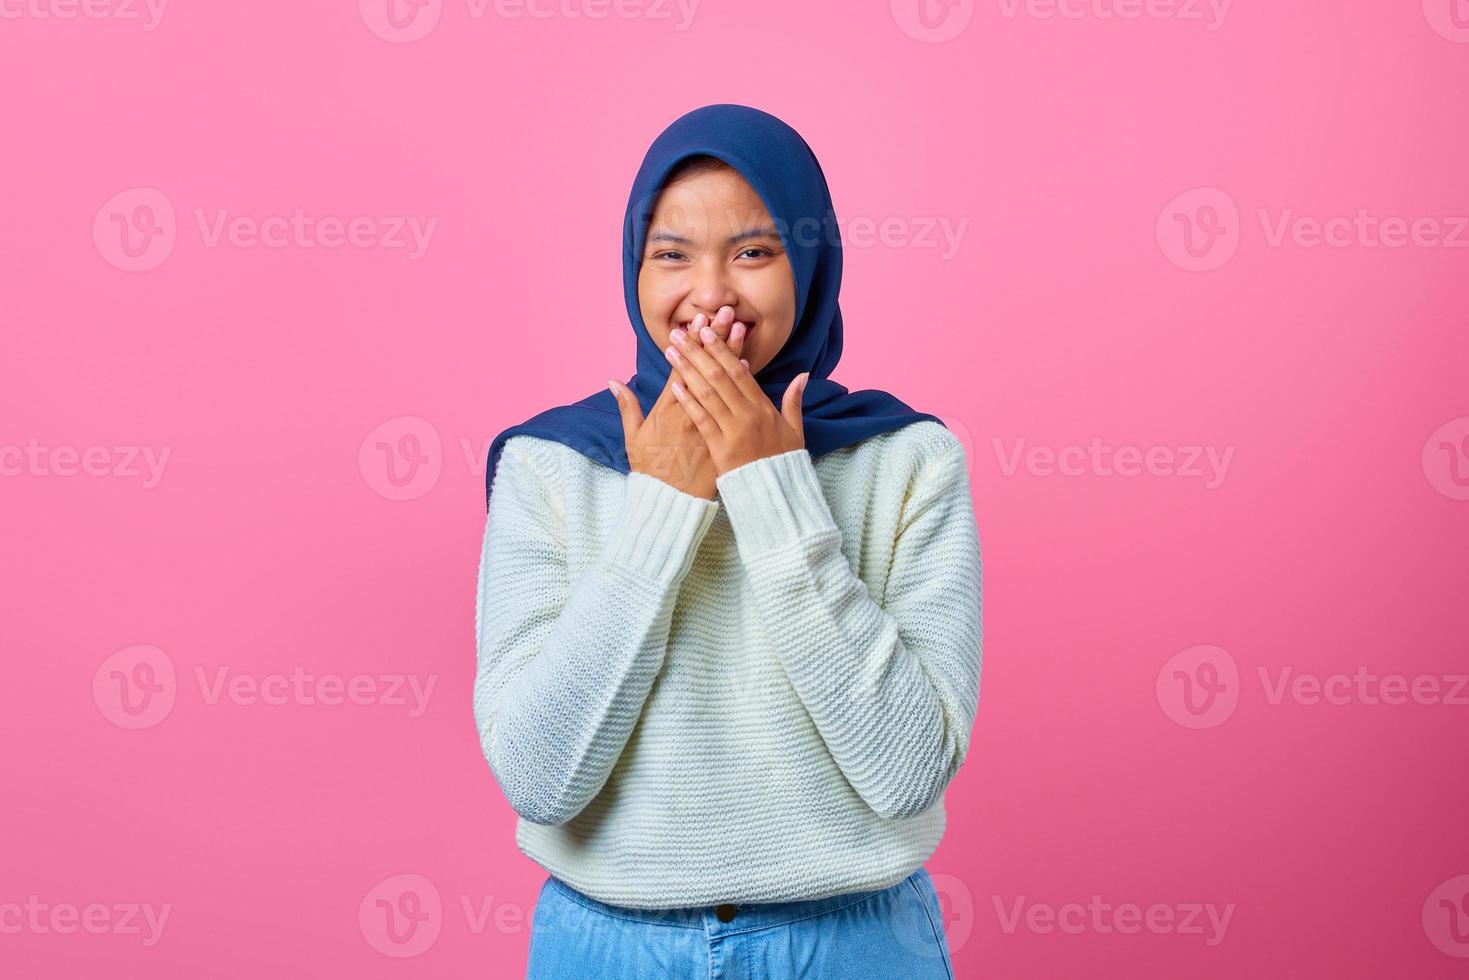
[{"x": 1189, "y": 280}]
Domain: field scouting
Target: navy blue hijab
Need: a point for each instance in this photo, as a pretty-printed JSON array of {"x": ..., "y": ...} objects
[{"x": 778, "y": 163}]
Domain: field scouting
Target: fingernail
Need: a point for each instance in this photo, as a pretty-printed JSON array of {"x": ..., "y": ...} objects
[
  {"x": 707, "y": 335},
  {"x": 737, "y": 331},
  {"x": 677, "y": 335}
]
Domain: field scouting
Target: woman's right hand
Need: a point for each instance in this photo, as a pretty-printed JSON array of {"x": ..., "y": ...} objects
[{"x": 667, "y": 445}]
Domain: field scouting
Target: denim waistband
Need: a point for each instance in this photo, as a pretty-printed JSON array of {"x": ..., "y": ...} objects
[{"x": 748, "y": 916}]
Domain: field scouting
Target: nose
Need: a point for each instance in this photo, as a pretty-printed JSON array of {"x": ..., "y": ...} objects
[{"x": 710, "y": 288}]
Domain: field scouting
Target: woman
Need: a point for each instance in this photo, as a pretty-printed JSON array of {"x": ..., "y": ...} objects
[{"x": 729, "y": 652}]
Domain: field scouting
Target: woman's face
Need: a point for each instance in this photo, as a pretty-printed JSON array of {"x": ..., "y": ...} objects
[{"x": 711, "y": 243}]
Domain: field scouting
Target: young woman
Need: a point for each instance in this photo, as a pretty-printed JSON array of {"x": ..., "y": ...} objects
[{"x": 728, "y": 616}]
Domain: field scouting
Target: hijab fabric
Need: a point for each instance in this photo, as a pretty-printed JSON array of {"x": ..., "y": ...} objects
[{"x": 779, "y": 164}]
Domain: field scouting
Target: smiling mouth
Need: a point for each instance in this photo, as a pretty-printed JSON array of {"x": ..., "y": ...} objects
[{"x": 687, "y": 324}]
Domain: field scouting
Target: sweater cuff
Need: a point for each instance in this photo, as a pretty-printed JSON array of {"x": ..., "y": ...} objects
[
  {"x": 775, "y": 500},
  {"x": 659, "y": 529}
]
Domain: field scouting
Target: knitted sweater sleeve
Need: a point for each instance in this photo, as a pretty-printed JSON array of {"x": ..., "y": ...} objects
[
  {"x": 565, "y": 665},
  {"x": 890, "y": 682}
]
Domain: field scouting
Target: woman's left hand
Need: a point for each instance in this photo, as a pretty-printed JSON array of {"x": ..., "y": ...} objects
[{"x": 728, "y": 407}]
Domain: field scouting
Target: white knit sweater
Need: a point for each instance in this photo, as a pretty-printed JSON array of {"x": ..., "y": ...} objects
[{"x": 689, "y": 704}]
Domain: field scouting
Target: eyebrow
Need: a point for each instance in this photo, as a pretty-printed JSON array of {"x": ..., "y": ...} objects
[{"x": 764, "y": 231}]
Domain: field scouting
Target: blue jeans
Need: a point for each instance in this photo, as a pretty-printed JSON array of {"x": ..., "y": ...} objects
[{"x": 892, "y": 933}]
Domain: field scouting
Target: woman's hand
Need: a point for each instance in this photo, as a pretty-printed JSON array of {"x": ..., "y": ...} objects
[
  {"x": 666, "y": 444},
  {"x": 727, "y": 406}
]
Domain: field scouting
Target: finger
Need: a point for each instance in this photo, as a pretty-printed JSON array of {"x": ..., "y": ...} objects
[
  {"x": 790, "y": 408},
  {"x": 736, "y": 374},
  {"x": 629, "y": 409},
  {"x": 707, "y": 425},
  {"x": 723, "y": 320},
  {"x": 704, "y": 378},
  {"x": 736, "y": 342}
]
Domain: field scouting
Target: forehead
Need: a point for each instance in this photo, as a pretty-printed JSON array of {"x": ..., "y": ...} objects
[{"x": 712, "y": 199}]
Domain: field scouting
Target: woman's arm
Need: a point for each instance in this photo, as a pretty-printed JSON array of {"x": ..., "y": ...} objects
[
  {"x": 892, "y": 686},
  {"x": 564, "y": 667}
]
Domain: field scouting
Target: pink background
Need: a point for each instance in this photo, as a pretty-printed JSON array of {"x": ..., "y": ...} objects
[{"x": 1114, "y": 280}]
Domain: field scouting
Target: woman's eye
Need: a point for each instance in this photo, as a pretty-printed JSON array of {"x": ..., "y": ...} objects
[
  {"x": 761, "y": 252},
  {"x": 669, "y": 255}
]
